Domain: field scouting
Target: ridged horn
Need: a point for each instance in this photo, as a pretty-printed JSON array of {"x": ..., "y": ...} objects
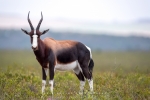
[
  {"x": 31, "y": 26},
  {"x": 38, "y": 26}
]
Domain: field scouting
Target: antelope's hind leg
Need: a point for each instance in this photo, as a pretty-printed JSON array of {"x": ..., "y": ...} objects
[
  {"x": 80, "y": 76},
  {"x": 82, "y": 82},
  {"x": 87, "y": 74}
]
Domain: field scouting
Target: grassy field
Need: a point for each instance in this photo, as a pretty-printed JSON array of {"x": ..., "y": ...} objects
[{"x": 117, "y": 76}]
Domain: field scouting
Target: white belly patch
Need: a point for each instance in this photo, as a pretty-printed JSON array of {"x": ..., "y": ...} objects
[{"x": 65, "y": 67}]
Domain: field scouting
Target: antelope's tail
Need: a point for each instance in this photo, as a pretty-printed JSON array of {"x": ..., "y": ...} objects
[{"x": 91, "y": 65}]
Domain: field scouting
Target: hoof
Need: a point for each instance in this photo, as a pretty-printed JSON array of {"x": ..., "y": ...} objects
[{"x": 81, "y": 92}]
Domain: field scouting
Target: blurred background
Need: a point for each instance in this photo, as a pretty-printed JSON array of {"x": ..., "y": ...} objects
[
  {"x": 118, "y": 32},
  {"x": 101, "y": 24}
]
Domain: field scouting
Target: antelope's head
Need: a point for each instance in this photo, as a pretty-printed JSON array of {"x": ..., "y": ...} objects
[{"x": 35, "y": 34}]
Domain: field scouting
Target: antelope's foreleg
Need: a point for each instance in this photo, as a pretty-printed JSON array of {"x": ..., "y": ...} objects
[
  {"x": 51, "y": 76},
  {"x": 44, "y": 75}
]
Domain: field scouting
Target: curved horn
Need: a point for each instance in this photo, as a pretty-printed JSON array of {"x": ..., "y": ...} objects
[
  {"x": 30, "y": 22},
  {"x": 38, "y": 26}
]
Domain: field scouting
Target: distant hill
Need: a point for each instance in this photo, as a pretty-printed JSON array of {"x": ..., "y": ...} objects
[{"x": 16, "y": 39}]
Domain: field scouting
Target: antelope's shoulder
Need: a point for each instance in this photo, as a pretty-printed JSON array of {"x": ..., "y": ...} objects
[
  {"x": 49, "y": 41},
  {"x": 68, "y": 42}
]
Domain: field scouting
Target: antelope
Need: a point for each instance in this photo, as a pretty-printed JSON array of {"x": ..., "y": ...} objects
[{"x": 63, "y": 55}]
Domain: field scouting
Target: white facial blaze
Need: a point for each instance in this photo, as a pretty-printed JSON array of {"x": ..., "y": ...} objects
[{"x": 34, "y": 43}]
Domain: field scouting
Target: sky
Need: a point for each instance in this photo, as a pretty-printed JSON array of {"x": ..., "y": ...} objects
[{"x": 116, "y": 17}]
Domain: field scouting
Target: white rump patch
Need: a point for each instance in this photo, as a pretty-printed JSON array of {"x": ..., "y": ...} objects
[
  {"x": 65, "y": 67},
  {"x": 34, "y": 43},
  {"x": 89, "y": 50}
]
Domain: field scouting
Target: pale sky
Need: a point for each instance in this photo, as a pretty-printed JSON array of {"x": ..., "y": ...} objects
[{"x": 76, "y": 14}]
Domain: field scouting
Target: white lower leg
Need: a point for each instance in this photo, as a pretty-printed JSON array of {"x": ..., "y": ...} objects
[
  {"x": 91, "y": 84},
  {"x": 51, "y": 85},
  {"x": 43, "y": 85},
  {"x": 82, "y": 83}
]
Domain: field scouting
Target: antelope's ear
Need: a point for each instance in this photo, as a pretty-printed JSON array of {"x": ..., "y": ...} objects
[
  {"x": 45, "y": 31},
  {"x": 25, "y": 31}
]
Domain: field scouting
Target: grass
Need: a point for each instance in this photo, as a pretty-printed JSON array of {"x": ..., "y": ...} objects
[{"x": 117, "y": 76}]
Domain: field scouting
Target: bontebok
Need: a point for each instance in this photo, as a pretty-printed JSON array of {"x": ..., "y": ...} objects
[{"x": 61, "y": 55}]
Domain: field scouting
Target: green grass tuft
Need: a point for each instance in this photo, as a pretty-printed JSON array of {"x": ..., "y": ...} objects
[{"x": 116, "y": 75}]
